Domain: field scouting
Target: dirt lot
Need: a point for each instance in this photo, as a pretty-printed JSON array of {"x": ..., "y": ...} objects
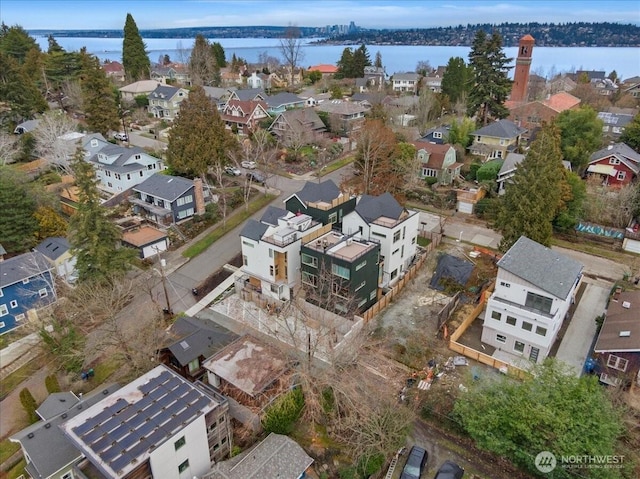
[{"x": 408, "y": 333}]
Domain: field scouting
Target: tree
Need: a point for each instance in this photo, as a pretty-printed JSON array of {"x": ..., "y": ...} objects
[
  {"x": 291, "y": 50},
  {"x": 99, "y": 99},
  {"x": 50, "y": 223},
  {"x": 345, "y": 64},
  {"x": 135, "y": 59},
  {"x": 18, "y": 225},
  {"x": 428, "y": 108},
  {"x": 16, "y": 42},
  {"x": 456, "y": 80},
  {"x": 361, "y": 59},
  {"x": 281, "y": 416},
  {"x": 460, "y": 132},
  {"x": 490, "y": 85},
  {"x": 29, "y": 404},
  {"x": 8, "y": 148},
  {"x": 314, "y": 76},
  {"x": 18, "y": 92},
  {"x": 535, "y": 194},
  {"x": 50, "y": 143},
  {"x": 550, "y": 410},
  {"x": 198, "y": 139},
  {"x": 203, "y": 65},
  {"x": 581, "y": 133},
  {"x": 631, "y": 133},
  {"x": 52, "y": 384},
  {"x": 376, "y": 147},
  {"x": 94, "y": 239},
  {"x": 424, "y": 68},
  {"x": 568, "y": 217},
  {"x": 218, "y": 53},
  {"x": 378, "y": 60}
]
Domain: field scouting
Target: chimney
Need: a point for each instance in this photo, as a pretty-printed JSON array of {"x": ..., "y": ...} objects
[{"x": 199, "y": 195}]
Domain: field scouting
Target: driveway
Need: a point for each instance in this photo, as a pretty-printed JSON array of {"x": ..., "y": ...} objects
[{"x": 576, "y": 343}]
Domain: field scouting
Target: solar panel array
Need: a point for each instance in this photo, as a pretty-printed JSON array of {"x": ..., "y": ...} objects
[{"x": 123, "y": 431}]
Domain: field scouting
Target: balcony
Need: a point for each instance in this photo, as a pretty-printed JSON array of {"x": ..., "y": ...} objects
[{"x": 525, "y": 308}]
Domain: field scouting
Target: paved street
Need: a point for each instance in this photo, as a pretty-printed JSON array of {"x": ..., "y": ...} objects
[{"x": 581, "y": 332}]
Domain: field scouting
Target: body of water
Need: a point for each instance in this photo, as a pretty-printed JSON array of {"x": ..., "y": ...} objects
[{"x": 396, "y": 58}]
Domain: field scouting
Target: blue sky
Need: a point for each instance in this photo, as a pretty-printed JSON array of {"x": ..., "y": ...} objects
[{"x": 99, "y": 14}]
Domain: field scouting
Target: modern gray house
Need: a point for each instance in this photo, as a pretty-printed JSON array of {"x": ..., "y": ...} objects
[{"x": 322, "y": 201}]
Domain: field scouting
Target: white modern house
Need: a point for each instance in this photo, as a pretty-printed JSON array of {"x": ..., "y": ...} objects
[
  {"x": 534, "y": 289},
  {"x": 382, "y": 219},
  {"x": 271, "y": 250},
  {"x": 119, "y": 168}
]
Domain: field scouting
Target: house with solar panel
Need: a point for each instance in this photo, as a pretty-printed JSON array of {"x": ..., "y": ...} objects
[
  {"x": 535, "y": 288},
  {"x": 158, "y": 426}
]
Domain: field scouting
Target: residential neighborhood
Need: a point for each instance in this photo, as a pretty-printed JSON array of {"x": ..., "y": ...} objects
[{"x": 219, "y": 269}]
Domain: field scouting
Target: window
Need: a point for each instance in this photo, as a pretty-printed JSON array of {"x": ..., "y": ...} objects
[
  {"x": 359, "y": 266},
  {"x": 3, "y": 310},
  {"x": 372, "y": 295},
  {"x": 13, "y": 304},
  {"x": 519, "y": 347},
  {"x": 245, "y": 260},
  {"x": 404, "y": 231},
  {"x": 194, "y": 365},
  {"x": 179, "y": 443},
  {"x": 184, "y": 200},
  {"x": 395, "y": 251},
  {"x": 309, "y": 260},
  {"x": 616, "y": 362},
  {"x": 25, "y": 281},
  {"x": 429, "y": 173},
  {"x": 621, "y": 175},
  {"x": 437, "y": 134},
  {"x": 333, "y": 218},
  {"x": 361, "y": 303},
  {"x": 117, "y": 176},
  {"x": 541, "y": 303},
  {"x": 247, "y": 243},
  {"x": 396, "y": 236},
  {"x": 223, "y": 440},
  {"x": 506, "y": 285},
  {"x": 270, "y": 253},
  {"x": 413, "y": 240},
  {"x": 273, "y": 270},
  {"x": 128, "y": 176},
  {"x": 614, "y": 161},
  {"x": 527, "y": 326},
  {"x": 183, "y": 467},
  {"x": 338, "y": 290},
  {"x": 361, "y": 285},
  {"x": 402, "y": 251},
  {"x": 501, "y": 338},
  {"x": 341, "y": 271},
  {"x": 19, "y": 317},
  {"x": 379, "y": 235},
  {"x": 108, "y": 173},
  {"x": 2, "y": 325},
  {"x": 310, "y": 279},
  {"x": 511, "y": 320},
  {"x": 496, "y": 315},
  {"x": 541, "y": 331},
  {"x": 394, "y": 273},
  {"x": 67, "y": 475},
  {"x": 185, "y": 213},
  {"x": 43, "y": 293},
  {"x": 141, "y": 173}
]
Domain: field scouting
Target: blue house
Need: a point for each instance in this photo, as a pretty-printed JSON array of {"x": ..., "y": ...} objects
[
  {"x": 166, "y": 199},
  {"x": 26, "y": 284}
]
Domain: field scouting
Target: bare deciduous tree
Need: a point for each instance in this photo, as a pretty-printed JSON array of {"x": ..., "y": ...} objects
[
  {"x": 291, "y": 49},
  {"x": 52, "y": 141},
  {"x": 8, "y": 148}
]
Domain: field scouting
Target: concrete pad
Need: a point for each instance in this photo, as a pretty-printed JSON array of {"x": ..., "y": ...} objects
[
  {"x": 577, "y": 341},
  {"x": 482, "y": 240},
  {"x": 512, "y": 359}
]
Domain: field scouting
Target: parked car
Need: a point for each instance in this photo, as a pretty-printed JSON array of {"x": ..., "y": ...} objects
[
  {"x": 232, "y": 170},
  {"x": 256, "y": 177},
  {"x": 250, "y": 165},
  {"x": 415, "y": 463},
  {"x": 449, "y": 470},
  {"x": 121, "y": 136}
]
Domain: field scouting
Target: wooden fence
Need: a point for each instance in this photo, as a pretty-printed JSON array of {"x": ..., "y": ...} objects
[{"x": 474, "y": 354}]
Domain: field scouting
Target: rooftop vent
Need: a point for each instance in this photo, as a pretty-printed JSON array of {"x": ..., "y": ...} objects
[
  {"x": 626, "y": 304},
  {"x": 47, "y": 425},
  {"x": 625, "y": 334},
  {"x": 30, "y": 435}
]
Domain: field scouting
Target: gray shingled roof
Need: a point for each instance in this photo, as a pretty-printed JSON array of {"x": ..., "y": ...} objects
[
  {"x": 253, "y": 229},
  {"x": 543, "y": 267},
  {"x": 250, "y": 93},
  {"x": 53, "y": 247},
  {"x": 277, "y": 456},
  {"x": 500, "y": 129},
  {"x": 123, "y": 154},
  {"x": 164, "y": 92},
  {"x": 370, "y": 208},
  {"x": 21, "y": 267},
  {"x": 167, "y": 187},
  {"x": 327, "y": 191},
  {"x": 284, "y": 98},
  {"x": 272, "y": 214},
  {"x": 48, "y": 447},
  {"x": 198, "y": 338},
  {"x": 56, "y": 403},
  {"x": 621, "y": 149},
  {"x": 511, "y": 162}
]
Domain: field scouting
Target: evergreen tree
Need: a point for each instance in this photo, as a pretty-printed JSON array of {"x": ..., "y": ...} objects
[
  {"x": 219, "y": 55},
  {"x": 631, "y": 133},
  {"x": 581, "y": 133},
  {"x": 134, "y": 55},
  {"x": 18, "y": 225},
  {"x": 490, "y": 85},
  {"x": 98, "y": 98},
  {"x": 18, "y": 92},
  {"x": 536, "y": 192},
  {"x": 93, "y": 238},
  {"x": 29, "y": 404},
  {"x": 198, "y": 139},
  {"x": 360, "y": 60},
  {"x": 16, "y": 42},
  {"x": 345, "y": 64},
  {"x": 378, "y": 61},
  {"x": 54, "y": 46},
  {"x": 203, "y": 65},
  {"x": 456, "y": 80}
]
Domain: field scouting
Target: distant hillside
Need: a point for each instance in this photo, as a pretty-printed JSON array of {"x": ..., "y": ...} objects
[
  {"x": 578, "y": 34},
  {"x": 546, "y": 34}
]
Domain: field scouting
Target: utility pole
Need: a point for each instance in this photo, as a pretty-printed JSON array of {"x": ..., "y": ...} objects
[{"x": 163, "y": 263}]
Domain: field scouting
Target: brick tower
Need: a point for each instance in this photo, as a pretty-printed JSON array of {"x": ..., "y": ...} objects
[{"x": 523, "y": 64}]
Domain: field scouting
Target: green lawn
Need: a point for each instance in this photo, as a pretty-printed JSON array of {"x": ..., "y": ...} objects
[
  {"x": 7, "y": 448},
  {"x": 336, "y": 165},
  {"x": 240, "y": 216}
]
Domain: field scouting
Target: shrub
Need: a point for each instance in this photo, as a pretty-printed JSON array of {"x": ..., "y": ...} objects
[
  {"x": 29, "y": 404},
  {"x": 489, "y": 171},
  {"x": 430, "y": 180},
  {"x": 282, "y": 415},
  {"x": 52, "y": 384},
  {"x": 473, "y": 170}
]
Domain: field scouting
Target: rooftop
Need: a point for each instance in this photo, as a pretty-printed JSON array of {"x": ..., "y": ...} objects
[
  {"x": 621, "y": 328},
  {"x": 53, "y": 247},
  {"x": 143, "y": 235},
  {"x": 21, "y": 267},
  {"x": 167, "y": 187},
  {"x": 341, "y": 246}
]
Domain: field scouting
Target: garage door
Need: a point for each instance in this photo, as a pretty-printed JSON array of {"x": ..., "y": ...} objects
[
  {"x": 464, "y": 207},
  {"x": 631, "y": 245}
]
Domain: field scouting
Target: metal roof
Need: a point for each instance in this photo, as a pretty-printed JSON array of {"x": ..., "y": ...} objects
[{"x": 543, "y": 267}]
